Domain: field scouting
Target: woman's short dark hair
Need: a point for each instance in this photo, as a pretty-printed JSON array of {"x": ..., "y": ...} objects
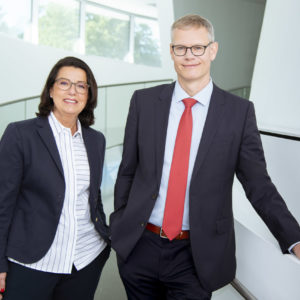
[{"x": 86, "y": 117}]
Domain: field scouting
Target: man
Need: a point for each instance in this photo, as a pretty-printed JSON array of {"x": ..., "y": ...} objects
[{"x": 172, "y": 227}]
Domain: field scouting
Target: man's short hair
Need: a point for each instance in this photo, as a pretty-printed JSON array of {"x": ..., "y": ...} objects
[{"x": 196, "y": 21}]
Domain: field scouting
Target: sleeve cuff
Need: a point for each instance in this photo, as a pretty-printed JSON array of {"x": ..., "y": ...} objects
[{"x": 290, "y": 249}]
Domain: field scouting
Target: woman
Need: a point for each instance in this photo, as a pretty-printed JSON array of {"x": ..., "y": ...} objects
[{"x": 53, "y": 234}]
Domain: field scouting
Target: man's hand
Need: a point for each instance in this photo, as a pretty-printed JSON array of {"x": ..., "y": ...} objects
[
  {"x": 296, "y": 250},
  {"x": 2, "y": 283}
]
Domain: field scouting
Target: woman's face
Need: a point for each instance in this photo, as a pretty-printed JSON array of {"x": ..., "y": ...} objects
[{"x": 69, "y": 92}]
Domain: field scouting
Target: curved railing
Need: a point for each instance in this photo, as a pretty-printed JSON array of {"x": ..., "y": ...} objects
[
  {"x": 110, "y": 114},
  {"x": 243, "y": 92}
]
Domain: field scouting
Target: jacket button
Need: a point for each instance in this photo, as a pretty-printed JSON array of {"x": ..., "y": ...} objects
[
  {"x": 154, "y": 196},
  {"x": 96, "y": 219},
  {"x": 142, "y": 224}
]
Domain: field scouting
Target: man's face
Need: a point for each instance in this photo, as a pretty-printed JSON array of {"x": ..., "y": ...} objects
[{"x": 190, "y": 68}]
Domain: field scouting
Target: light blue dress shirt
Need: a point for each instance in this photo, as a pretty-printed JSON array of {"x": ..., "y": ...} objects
[{"x": 199, "y": 112}]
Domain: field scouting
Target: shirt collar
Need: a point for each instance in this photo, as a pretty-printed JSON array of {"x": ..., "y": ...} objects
[
  {"x": 203, "y": 97},
  {"x": 60, "y": 128}
]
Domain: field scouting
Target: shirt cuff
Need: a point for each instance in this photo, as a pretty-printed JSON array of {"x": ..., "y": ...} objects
[{"x": 290, "y": 249}]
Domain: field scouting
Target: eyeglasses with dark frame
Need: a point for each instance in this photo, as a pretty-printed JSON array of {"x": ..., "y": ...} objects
[
  {"x": 197, "y": 50},
  {"x": 65, "y": 84}
]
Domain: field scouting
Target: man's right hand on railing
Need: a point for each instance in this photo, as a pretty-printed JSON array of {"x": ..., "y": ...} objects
[{"x": 296, "y": 250}]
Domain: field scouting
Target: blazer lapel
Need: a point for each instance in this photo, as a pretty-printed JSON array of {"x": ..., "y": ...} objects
[
  {"x": 91, "y": 146},
  {"x": 46, "y": 134},
  {"x": 162, "y": 110},
  {"x": 212, "y": 122}
]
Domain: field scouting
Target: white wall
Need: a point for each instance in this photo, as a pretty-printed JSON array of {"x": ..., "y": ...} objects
[
  {"x": 25, "y": 67},
  {"x": 261, "y": 266},
  {"x": 237, "y": 26},
  {"x": 275, "y": 84}
]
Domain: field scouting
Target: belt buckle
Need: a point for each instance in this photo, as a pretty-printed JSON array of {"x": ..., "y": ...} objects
[{"x": 162, "y": 234}]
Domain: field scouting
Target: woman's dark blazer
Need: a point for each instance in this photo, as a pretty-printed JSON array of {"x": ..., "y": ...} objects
[{"x": 32, "y": 188}]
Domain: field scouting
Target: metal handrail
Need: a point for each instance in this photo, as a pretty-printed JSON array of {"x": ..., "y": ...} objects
[
  {"x": 240, "y": 88},
  {"x": 245, "y": 91},
  {"x": 292, "y": 137},
  {"x": 242, "y": 290},
  {"x": 99, "y": 86},
  {"x": 114, "y": 146},
  {"x": 110, "y": 85}
]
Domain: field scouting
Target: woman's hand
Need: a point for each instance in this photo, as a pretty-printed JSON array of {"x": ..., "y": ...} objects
[{"x": 2, "y": 284}]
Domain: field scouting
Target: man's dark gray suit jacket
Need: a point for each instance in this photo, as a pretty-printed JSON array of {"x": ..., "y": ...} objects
[
  {"x": 32, "y": 188},
  {"x": 230, "y": 145}
]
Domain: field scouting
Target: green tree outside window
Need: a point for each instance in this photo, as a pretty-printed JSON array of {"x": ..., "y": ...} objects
[
  {"x": 108, "y": 37},
  {"x": 58, "y": 25}
]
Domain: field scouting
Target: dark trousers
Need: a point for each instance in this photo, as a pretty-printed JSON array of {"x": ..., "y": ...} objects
[
  {"x": 28, "y": 284},
  {"x": 158, "y": 269}
]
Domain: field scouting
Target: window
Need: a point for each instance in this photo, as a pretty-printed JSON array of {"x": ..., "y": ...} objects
[
  {"x": 124, "y": 30},
  {"x": 107, "y": 33},
  {"x": 58, "y": 23},
  {"x": 15, "y": 22},
  {"x": 146, "y": 42}
]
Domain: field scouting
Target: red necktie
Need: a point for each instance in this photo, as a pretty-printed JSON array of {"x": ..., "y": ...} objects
[{"x": 174, "y": 207}]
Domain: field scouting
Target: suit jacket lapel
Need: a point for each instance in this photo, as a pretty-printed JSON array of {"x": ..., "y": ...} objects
[
  {"x": 162, "y": 110},
  {"x": 212, "y": 122},
  {"x": 46, "y": 134}
]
